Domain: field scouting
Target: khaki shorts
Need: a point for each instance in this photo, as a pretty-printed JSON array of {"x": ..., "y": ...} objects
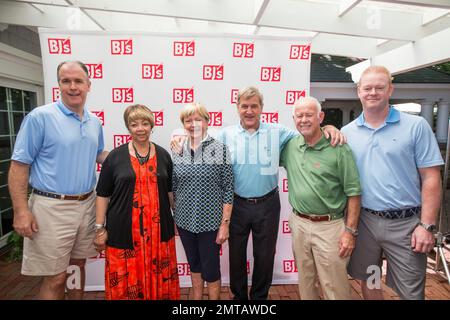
[{"x": 65, "y": 231}]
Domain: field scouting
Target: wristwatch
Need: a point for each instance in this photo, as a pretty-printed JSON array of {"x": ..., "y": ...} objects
[
  {"x": 429, "y": 227},
  {"x": 353, "y": 232}
]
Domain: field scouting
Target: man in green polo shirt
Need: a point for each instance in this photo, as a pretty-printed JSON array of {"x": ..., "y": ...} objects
[{"x": 323, "y": 185}]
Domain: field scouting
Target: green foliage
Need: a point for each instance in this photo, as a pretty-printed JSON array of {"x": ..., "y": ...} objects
[
  {"x": 443, "y": 67},
  {"x": 16, "y": 241}
]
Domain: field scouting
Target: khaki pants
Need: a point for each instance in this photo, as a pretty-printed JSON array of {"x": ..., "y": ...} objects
[
  {"x": 66, "y": 230},
  {"x": 316, "y": 251}
]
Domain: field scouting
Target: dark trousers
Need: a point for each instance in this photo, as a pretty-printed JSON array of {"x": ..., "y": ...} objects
[{"x": 262, "y": 220}]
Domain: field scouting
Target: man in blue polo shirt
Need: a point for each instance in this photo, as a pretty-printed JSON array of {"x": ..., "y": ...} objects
[
  {"x": 56, "y": 151},
  {"x": 398, "y": 160}
]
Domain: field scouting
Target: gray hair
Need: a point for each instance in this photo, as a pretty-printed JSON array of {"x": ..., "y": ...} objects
[
  {"x": 81, "y": 64},
  {"x": 303, "y": 100}
]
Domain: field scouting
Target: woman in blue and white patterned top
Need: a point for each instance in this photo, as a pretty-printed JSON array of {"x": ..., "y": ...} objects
[{"x": 203, "y": 194}]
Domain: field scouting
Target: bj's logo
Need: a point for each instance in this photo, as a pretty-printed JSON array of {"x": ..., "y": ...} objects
[
  {"x": 59, "y": 46},
  {"x": 285, "y": 185},
  {"x": 184, "y": 48},
  {"x": 269, "y": 117},
  {"x": 243, "y": 50},
  {"x": 183, "y": 95},
  {"x": 159, "y": 118},
  {"x": 215, "y": 119},
  {"x": 100, "y": 115},
  {"x": 56, "y": 94},
  {"x": 213, "y": 72},
  {"x": 99, "y": 167},
  {"x": 289, "y": 266},
  {"x": 122, "y": 95},
  {"x": 285, "y": 227},
  {"x": 120, "y": 139},
  {"x": 272, "y": 74},
  {"x": 122, "y": 46},
  {"x": 293, "y": 95},
  {"x": 234, "y": 95},
  {"x": 152, "y": 71},
  {"x": 301, "y": 51},
  {"x": 95, "y": 70},
  {"x": 183, "y": 269}
]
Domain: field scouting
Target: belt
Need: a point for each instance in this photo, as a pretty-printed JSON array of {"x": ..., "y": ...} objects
[
  {"x": 257, "y": 199},
  {"x": 79, "y": 197},
  {"x": 395, "y": 214},
  {"x": 317, "y": 218}
]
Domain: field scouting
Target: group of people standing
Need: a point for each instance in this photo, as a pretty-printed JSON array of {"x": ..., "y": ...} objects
[{"x": 378, "y": 194}]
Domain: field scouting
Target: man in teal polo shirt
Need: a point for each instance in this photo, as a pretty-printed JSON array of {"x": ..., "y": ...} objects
[{"x": 323, "y": 184}]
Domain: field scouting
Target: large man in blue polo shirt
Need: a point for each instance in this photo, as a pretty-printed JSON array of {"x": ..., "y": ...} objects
[
  {"x": 398, "y": 160},
  {"x": 56, "y": 151},
  {"x": 255, "y": 150}
]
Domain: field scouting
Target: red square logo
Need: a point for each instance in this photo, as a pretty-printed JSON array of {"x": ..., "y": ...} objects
[
  {"x": 293, "y": 95},
  {"x": 59, "y": 46},
  {"x": 243, "y": 50},
  {"x": 271, "y": 74},
  {"x": 234, "y": 96},
  {"x": 289, "y": 266},
  {"x": 122, "y": 47},
  {"x": 95, "y": 70},
  {"x": 183, "y": 95},
  {"x": 269, "y": 117},
  {"x": 56, "y": 94},
  {"x": 120, "y": 139},
  {"x": 159, "y": 118},
  {"x": 122, "y": 95},
  {"x": 184, "y": 48},
  {"x": 183, "y": 269},
  {"x": 152, "y": 71},
  {"x": 285, "y": 227},
  {"x": 300, "y": 52},
  {"x": 100, "y": 115},
  {"x": 285, "y": 185},
  {"x": 215, "y": 119},
  {"x": 213, "y": 72}
]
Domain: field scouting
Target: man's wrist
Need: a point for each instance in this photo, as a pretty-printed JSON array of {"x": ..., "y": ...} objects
[{"x": 353, "y": 232}]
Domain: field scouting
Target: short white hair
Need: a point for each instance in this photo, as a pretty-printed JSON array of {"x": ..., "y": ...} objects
[{"x": 303, "y": 100}]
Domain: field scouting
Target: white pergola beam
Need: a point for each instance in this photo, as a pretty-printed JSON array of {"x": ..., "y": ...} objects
[
  {"x": 431, "y": 50},
  {"x": 287, "y": 14},
  {"x": 360, "y": 21},
  {"x": 21, "y": 13},
  {"x": 432, "y": 15},
  {"x": 260, "y": 12},
  {"x": 443, "y": 4},
  {"x": 347, "y": 5}
]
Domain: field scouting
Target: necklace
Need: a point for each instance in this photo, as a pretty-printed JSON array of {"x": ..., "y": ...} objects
[{"x": 142, "y": 159}]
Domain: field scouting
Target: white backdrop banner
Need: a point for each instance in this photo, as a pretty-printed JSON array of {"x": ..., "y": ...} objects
[{"x": 167, "y": 71}]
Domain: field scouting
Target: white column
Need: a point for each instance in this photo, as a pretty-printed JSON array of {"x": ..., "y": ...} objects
[
  {"x": 426, "y": 111},
  {"x": 345, "y": 116},
  {"x": 442, "y": 121}
]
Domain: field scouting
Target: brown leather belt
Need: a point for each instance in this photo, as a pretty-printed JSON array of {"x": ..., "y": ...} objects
[
  {"x": 79, "y": 197},
  {"x": 313, "y": 218}
]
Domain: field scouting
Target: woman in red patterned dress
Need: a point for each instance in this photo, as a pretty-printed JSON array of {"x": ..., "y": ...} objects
[{"x": 134, "y": 193}]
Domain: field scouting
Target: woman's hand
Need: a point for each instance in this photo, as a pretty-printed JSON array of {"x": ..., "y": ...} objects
[
  {"x": 101, "y": 236},
  {"x": 223, "y": 233}
]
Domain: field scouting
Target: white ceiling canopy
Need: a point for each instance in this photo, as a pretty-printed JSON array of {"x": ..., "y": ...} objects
[{"x": 401, "y": 34}]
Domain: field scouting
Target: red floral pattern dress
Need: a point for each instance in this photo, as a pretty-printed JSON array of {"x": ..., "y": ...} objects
[{"x": 149, "y": 271}]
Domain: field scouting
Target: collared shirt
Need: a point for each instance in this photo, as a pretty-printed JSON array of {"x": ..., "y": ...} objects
[
  {"x": 202, "y": 183},
  {"x": 255, "y": 156},
  {"x": 61, "y": 148},
  {"x": 320, "y": 177},
  {"x": 388, "y": 159}
]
